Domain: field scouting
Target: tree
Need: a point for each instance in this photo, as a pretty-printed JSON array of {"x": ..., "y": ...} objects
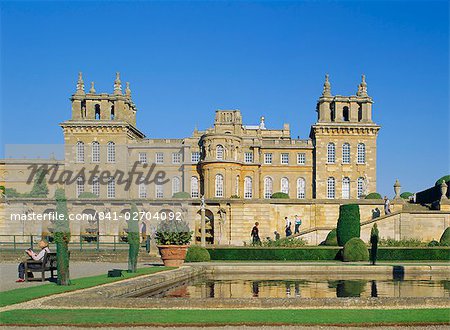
[
  {"x": 62, "y": 238},
  {"x": 348, "y": 225},
  {"x": 40, "y": 188},
  {"x": 374, "y": 244},
  {"x": 133, "y": 239}
]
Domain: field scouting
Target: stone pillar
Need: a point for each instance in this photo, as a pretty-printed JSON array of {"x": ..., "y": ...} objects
[{"x": 203, "y": 223}]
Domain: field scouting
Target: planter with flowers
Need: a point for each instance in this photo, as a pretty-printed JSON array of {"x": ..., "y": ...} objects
[{"x": 172, "y": 239}]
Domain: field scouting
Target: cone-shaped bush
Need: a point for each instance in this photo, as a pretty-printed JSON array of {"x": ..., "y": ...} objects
[
  {"x": 331, "y": 239},
  {"x": 355, "y": 250},
  {"x": 133, "y": 239},
  {"x": 62, "y": 238},
  {"x": 348, "y": 225},
  {"x": 374, "y": 244},
  {"x": 445, "y": 238}
]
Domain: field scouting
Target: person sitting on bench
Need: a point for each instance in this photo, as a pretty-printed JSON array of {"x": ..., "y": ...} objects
[{"x": 35, "y": 256}]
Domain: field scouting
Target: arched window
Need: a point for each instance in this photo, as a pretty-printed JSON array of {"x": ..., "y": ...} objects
[
  {"x": 111, "y": 188},
  {"x": 331, "y": 188},
  {"x": 175, "y": 185},
  {"x": 80, "y": 152},
  {"x": 345, "y": 114},
  {"x": 194, "y": 187},
  {"x": 361, "y": 153},
  {"x": 301, "y": 188},
  {"x": 248, "y": 187},
  {"x": 95, "y": 152},
  {"x": 80, "y": 186},
  {"x": 285, "y": 185},
  {"x": 236, "y": 187},
  {"x": 346, "y": 188},
  {"x": 346, "y": 153},
  {"x": 111, "y": 152},
  {"x": 219, "y": 185},
  {"x": 332, "y": 113},
  {"x": 112, "y": 113},
  {"x": 268, "y": 187},
  {"x": 331, "y": 153},
  {"x": 97, "y": 112},
  {"x": 360, "y": 187},
  {"x": 95, "y": 186},
  {"x": 219, "y": 152},
  {"x": 142, "y": 190}
]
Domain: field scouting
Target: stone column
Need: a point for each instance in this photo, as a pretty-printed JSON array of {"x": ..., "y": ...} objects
[{"x": 203, "y": 223}]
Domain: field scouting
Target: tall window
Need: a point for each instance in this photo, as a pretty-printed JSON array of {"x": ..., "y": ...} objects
[
  {"x": 95, "y": 152},
  {"x": 268, "y": 158},
  {"x": 284, "y": 158},
  {"x": 80, "y": 186},
  {"x": 195, "y": 157},
  {"x": 176, "y": 184},
  {"x": 346, "y": 153},
  {"x": 301, "y": 158},
  {"x": 360, "y": 187},
  {"x": 219, "y": 185},
  {"x": 159, "y": 158},
  {"x": 331, "y": 188},
  {"x": 345, "y": 114},
  {"x": 111, "y": 152},
  {"x": 176, "y": 158},
  {"x": 301, "y": 188},
  {"x": 219, "y": 152},
  {"x": 285, "y": 185},
  {"x": 236, "y": 187},
  {"x": 143, "y": 158},
  {"x": 248, "y": 157},
  {"x": 346, "y": 188},
  {"x": 194, "y": 187},
  {"x": 361, "y": 153},
  {"x": 268, "y": 187},
  {"x": 248, "y": 187},
  {"x": 142, "y": 190},
  {"x": 95, "y": 186},
  {"x": 80, "y": 152},
  {"x": 159, "y": 191},
  {"x": 111, "y": 188},
  {"x": 331, "y": 153}
]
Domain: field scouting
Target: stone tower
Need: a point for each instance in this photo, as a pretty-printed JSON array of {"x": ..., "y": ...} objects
[
  {"x": 97, "y": 135},
  {"x": 345, "y": 141}
]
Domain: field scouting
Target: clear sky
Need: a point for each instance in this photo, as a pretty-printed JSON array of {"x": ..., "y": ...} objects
[{"x": 184, "y": 60}]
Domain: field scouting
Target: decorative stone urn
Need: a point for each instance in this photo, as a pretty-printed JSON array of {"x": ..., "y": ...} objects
[
  {"x": 397, "y": 188},
  {"x": 173, "y": 255},
  {"x": 444, "y": 188}
]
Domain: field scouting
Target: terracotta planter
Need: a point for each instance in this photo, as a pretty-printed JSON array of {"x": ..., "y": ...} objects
[{"x": 173, "y": 255}]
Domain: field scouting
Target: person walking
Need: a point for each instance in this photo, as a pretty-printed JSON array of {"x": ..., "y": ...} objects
[
  {"x": 387, "y": 210},
  {"x": 255, "y": 235},
  {"x": 298, "y": 223},
  {"x": 288, "y": 229}
]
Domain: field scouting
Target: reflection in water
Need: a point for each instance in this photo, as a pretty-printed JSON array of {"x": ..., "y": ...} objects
[
  {"x": 255, "y": 289},
  {"x": 373, "y": 289}
]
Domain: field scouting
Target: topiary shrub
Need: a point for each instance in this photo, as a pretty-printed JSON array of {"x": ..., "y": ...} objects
[
  {"x": 374, "y": 238},
  {"x": 181, "y": 194},
  {"x": 446, "y": 178},
  {"x": 331, "y": 239},
  {"x": 406, "y": 195},
  {"x": 348, "y": 225},
  {"x": 433, "y": 243},
  {"x": 279, "y": 195},
  {"x": 197, "y": 253},
  {"x": 445, "y": 238},
  {"x": 374, "y": 195},
  {"x": 87, "y": 195},
  {"x": 355, "y": 250}
]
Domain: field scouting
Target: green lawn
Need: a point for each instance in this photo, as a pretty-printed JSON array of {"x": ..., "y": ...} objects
[
  {"x": 24, "y": 294},
  {"x": 93, "y": 317}
]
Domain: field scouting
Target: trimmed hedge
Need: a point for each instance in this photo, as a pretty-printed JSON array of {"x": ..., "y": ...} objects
[
  {"x": 406, "y": 195},
  {"x": 279, "y": 195},
  {"x": 348, "y": 224},
  {"x": 325, "y": 253},
  {"x": 197, "y": 253},
  {"x": 87, "y": 195},
  {"x": 181, "y": 194},
  {"x": 373, "y": 195}
]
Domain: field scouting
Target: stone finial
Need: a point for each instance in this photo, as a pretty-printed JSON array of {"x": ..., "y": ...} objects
[
  {"x": 262, "y": 124},
  {"x": 326, "y": 87},
  {"x": 80, "y": 84},
  {"x": 92, "y": 89},
  {"x": 362, "y": 87},
  {"x": 444, "y": 188},
  {"x": 128, "y": 90},
  {"x": 117, "y": 85},
  {"x": 397, "y": 188}
]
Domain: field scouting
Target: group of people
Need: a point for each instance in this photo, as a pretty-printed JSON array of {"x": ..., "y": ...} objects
[{"x": 288, "y": 229}]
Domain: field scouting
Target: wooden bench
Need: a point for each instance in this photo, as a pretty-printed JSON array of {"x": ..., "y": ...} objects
[{"x": 48, "y": 263}]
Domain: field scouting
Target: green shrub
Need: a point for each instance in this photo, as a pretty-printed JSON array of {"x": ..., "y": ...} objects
[
  {"x": 348, "y": 225},
  {"x": 414, "y": 253},
  {"x": 285, "y": 242},
  {"x": 39, "y": 188},
  {"x": 445, "y": 238},
  {"x": 234, "y": 196},
  {"x": 446, "y": 178},
  {"x": 410, "y": 242},
  {"x": 87, "y": 195},
  {"x": 173, "y": 232},
  {"x": 374, "y": 195},
  {"x": 181, "y": 194},
  {"x": 279, "y": 195},
  {"x": 433, "y": 243},
  {"x": 349, "y": 288},
  {"x": 2, "y": 189},
  {"x": 374, "y": 239},
  {"x": 331, "y": 239},
  {"x": 197, "y": 253},
  {"x": 406, "y": 195},
  {"x": 11, "y": 192},
  {"x": 355, "y": 250}
]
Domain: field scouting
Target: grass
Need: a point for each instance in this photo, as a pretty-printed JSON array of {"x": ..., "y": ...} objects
[
  {"x": 95, "y": 317},
  {"x": 24, "y": 294}
]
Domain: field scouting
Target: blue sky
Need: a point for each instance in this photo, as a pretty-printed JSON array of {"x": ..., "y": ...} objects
[{"x": 184, "y": 60}]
